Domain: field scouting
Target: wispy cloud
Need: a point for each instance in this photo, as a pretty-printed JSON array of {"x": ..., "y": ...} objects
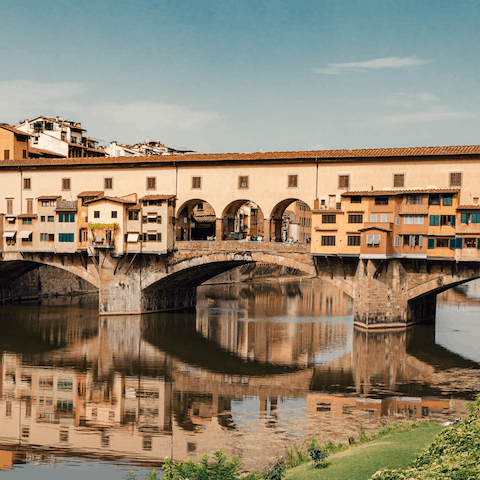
[
  {"x": 426, "y": 117},
  {"x": 317, "y": 146},
  {"x": 375, "y": 64},
  {"x": 410, "y": 99}
]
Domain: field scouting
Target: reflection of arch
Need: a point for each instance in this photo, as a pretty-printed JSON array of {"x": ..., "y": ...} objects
[
  {"x": 196, "y": 220},
  {"x": 283, "y": 229},
  {"x": 242, "y": 218}
]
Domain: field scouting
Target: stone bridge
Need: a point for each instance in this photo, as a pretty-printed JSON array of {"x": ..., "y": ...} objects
[{"x": 391, "y": 292}]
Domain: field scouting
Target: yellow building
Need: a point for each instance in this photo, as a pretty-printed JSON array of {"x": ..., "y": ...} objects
[{"x": 13, "y": 143}]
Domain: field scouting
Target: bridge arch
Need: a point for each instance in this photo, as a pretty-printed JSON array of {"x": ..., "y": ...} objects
[
  {"x": 193, "y": 271},
  {"x": 242, "y": 218},
  {"x": 195, "y": 220},
  {"x": 10, "y": 270},
  {"x": 291, "y": 220},
  {"x": 439, "y": 284}
]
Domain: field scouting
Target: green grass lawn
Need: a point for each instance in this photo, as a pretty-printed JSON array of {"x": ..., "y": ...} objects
[{"x": 397, "y": 450}]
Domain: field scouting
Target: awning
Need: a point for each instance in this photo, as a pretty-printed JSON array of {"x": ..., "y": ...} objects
[
  {"x": 132, "y": 237},
  {"x": 152, "y": 216},
  {"x": 9, "y": 234},
  {"x": 24, "y": 235}
]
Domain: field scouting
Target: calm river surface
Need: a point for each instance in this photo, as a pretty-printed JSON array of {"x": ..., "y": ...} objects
[{"x": 256, "y": 367}]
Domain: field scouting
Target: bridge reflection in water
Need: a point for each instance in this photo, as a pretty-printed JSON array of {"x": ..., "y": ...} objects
[{"x": 255, "y": 368}]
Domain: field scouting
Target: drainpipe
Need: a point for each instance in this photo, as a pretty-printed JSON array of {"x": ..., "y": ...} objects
[
  {"x": 21, "y": 188},
  {"x": 316, "y": 181}
]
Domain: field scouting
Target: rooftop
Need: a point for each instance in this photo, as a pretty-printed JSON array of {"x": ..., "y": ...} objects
[
  {"x": 322, "y": 156},
  {"x": 398, "y": 191}
]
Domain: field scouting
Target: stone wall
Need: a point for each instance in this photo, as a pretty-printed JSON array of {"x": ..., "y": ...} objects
[{"x": 44, "y": 281}]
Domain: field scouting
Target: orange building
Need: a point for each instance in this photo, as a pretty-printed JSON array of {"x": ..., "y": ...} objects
[{"x": 13, "y": 143}]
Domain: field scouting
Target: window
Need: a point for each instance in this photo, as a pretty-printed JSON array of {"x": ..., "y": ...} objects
[
  {"x": 373, "y": 218},
  {"x": 355, "y": 199},
  {"x": 381, "y": 200},
  {"x": 343, "y": 181},
  {"x": 373, "y": 239},
  {"x": 329, "y": 219},
  {"x": 418, "y": 219},
  {"x": 151, "y": 237},
  {"x": 292, "y": 181},
  {"x": 147, "y": 443},
  {"x": 65, "y": 237},
  {"x": 200, "y": 207},
  {"x": 9, "y": 206},
  {"x": 242, "y": 182},
  {"x": 27, "y": 183},
  {"x": 353, "y": 240},
  {"x": 133, "y": 215},
  {"x": 383, "y": 218},
  {"x": 29, "y": 205},
  {"x": 159, "y": 219},
  {"x": 43, "y": 237},
  {"x": 196, "y": 182},
  {"x": 24, "y": 155},
  {"x": 447, "y": 220},
  {"x": 42, "y": 218},
  {"x": 397, "y": 220},
  {"x": 414, "y": 199},
  {"x": 470, "y": 242},
  {"x": 48, "y": 203},
  {"x": 475, "y": 217},
  {"x": 399, "y": 180},
  {"x": 442, "y": 242},
  {"x": 6, "y": 154},
  {"x": 434, "y": 199},
  {"x": 328, "y": 240},
  {"x": 66, "y": 217},
  {"x": 26, "y": 221},
  {"x": 28, "y": 239},
  {"x": 152, "y": 183},
  {"x": 455, "y": 179},
  {"x": 447, "y": 200},
  {"x": 96, "y": 214},
  {"x": 114, "y": 214},
  {"x": 51, "y": 237},
  {"x": 396, "y": 241},
  {"x": 65, "y": 184},
  {"x": 434, "y": 220},
  {"x": 355, "y": 219},
  {"x": 431, "y": 243},
  {"x": 108, "y": 183}
]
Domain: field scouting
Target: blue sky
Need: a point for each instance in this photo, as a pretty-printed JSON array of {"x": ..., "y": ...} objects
[{"x": 222, "y": 76}]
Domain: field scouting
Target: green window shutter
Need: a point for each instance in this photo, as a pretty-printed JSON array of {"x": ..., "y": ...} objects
[
  {"x": 431, "y": 243},
  {"x": 454, "y": 220},
  {"x": 475, "y": 217},
  {"x": 464, "y": 217},
  {"x": 60, "y": 237},
  {"x": 452, "y": 243},
  {"x": 459, "y": 243},
  {"x": 447, "y": 200},
  {"x": 434, "y": 220},
  {"x": 72, "y": 217},
  {"x": 70, "y": 237},
  {"x": 60, "y": 217},
  {"x": 478, "y": 243}
]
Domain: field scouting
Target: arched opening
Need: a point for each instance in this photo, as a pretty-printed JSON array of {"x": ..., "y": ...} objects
[
  {"x": 196, "y": 220},
  {"x": 291, "y": 222},
  {"x": 243, "y": 220}
]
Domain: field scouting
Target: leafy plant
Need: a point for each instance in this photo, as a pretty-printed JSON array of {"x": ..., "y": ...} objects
[
  {"x": 317, "y": 456},
  {"x": 275, "y": 471}
]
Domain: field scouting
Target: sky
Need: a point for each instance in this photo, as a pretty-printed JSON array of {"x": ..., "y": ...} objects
[{"x": 244, "y": 76}]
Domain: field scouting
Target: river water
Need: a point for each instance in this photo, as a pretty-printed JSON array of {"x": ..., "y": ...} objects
[{"x": 256, "y": 367}]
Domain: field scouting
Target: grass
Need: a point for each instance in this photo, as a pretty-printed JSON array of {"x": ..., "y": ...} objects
[{"x": 396, "y": 450}]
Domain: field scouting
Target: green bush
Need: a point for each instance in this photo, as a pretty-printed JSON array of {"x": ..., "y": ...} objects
[{"x": 453, "y": 455}]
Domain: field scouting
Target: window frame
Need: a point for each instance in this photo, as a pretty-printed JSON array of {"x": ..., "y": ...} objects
[
  {"x": 108, "y": 183},
  {"x": 243, "y": 182},
  {"x": 290, "y": 179},
  {"x": 343, "y": 181},
  {"x": 397, "y": 176},
  {"x": 27, "y": 183},
  {"x": 151, "y": 183},
  {"x": 451, "y": 177},
  {"x": 196, "y": 180},
  {"x": 66, "y": 184}
]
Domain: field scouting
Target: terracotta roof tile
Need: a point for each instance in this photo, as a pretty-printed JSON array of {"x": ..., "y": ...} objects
[
  {"x": 157, "y": 197},
  {"x": 393, "y": 192},
  {"x": 468, "y": 207},
  {"x": 27, "y": 215},
  {"x": 112, "y": 199},
  {"x": 92, "y": 193},
  {"x": 323, "y": 156},
  {"x": 14, "y": 130},
  {"x": 48, "y": 197},
  {"x": 41, "y": 152}
]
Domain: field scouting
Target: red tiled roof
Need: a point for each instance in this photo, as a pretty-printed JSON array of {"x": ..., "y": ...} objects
[
  {"x": 393, "y": 192},
  {"x": 322, "y": 156},
  {"x": 14, "y": 130},
  {"x": 93, "y": 193},
  {"x": 112, "y": 199},
  {"x": 157, "y": 197},
  {"x": 468, "y": 207},
  {"x": 134, "y": 207},
  {"x": 375, "y": 227},
  {"x": 27, "y": 215},
  {"x": 48, "y": 197},
  {"x": 40, "y": 152}
]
